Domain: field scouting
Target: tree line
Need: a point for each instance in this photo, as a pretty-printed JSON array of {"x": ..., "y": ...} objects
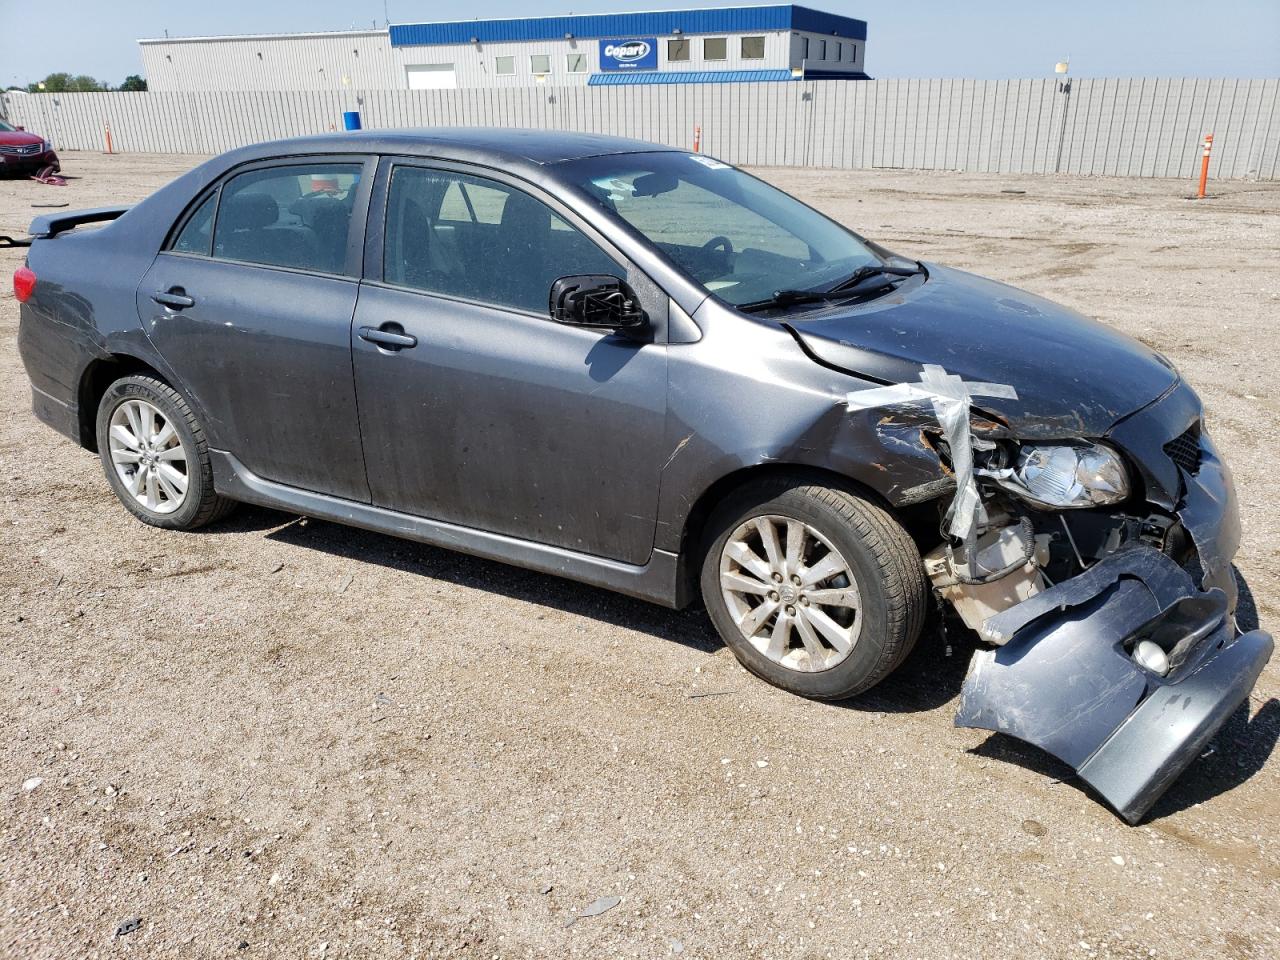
[{"x": 79, "y": 83}]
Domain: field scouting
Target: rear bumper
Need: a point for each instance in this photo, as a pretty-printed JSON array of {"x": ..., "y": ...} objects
[{"x": 1066, "y": 680}]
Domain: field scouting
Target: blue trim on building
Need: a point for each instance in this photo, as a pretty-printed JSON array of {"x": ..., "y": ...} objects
[
  {"x": 714, "y": 20},
  {"x": 639, "y": 78}
]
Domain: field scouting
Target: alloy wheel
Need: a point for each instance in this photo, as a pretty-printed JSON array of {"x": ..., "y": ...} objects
[
  {"x": 148, "y": 456},
  {"x": 791, "y": 593}
]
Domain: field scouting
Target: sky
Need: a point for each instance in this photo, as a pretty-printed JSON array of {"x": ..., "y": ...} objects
[{"x": 984, "y": 39}]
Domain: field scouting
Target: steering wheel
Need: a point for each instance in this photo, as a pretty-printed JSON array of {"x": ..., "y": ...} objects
[{"x": 721, "y": 243}]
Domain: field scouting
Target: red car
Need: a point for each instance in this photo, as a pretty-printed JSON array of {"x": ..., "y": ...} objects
[{"x": 24, "y": 153}]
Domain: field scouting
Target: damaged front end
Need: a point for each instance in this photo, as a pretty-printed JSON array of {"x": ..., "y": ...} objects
[{"x": 1100, "y": 573}]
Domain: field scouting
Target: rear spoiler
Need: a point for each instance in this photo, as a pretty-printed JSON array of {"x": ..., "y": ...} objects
[{"x": 51, "y": 224}]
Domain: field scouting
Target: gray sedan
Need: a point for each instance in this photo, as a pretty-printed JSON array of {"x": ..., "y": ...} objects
[{"x": 649, "y": 371}]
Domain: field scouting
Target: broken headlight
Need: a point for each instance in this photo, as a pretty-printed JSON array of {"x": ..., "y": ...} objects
[{"x": 1066, "y": 476}]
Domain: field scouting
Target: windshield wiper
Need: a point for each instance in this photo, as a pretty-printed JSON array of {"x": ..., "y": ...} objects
[{"x": 864, "y": 280}]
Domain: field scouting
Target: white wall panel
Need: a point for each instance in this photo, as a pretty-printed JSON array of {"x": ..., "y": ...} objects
[{"x": 1115, "y": 127}]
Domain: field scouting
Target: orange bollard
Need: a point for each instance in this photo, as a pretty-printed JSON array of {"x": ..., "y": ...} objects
[
  {"x": 1204, "y": 164},
  {"x": 108, "y": 126},
  {"x": 697, "y": 139}
]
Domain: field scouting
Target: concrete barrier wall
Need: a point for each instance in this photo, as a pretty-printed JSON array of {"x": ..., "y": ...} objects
[{"x": 1141, "y": 127}]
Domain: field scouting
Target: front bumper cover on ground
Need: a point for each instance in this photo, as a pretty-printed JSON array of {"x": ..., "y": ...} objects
[{"x": 1066, "y": 680}]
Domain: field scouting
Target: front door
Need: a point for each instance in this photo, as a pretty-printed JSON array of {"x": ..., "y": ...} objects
[
  {"x": 251, "y": 305},
  {"x": 496, "y": 417}
]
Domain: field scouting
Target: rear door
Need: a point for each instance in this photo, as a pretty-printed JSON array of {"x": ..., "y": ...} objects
[
  {"x": 496, "y": 417},
  {"x": 251, "y": 304}
]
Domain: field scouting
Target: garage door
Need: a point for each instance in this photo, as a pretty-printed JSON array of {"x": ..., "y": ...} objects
[{"x": 431, "y": 76}]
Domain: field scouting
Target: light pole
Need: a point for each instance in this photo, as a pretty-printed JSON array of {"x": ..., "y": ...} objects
[{"x": 1064, "y": 88}]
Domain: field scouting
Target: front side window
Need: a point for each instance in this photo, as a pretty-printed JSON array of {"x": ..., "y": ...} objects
[
  {"x": 476, "y": 239},
  {"x": 504, "y": 66},
  {"x": 715, "y": 48},
  {"x": 677, "y": 50},
  {"x": 540, "y": 62},
  {"x": 295, "y": 216},
  {"x": 197, "y": 234},
  {"x": 739, "y": 237},
  {"x": 575, "y": 62},
  {"x": 753, "y": 48}
]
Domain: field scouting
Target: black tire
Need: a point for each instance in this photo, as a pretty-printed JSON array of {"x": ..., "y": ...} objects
[
  {"x": 883, "y": 558},
  {"x": 201, "y": 505}
]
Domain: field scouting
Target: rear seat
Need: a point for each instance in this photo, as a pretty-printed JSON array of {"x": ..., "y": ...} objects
[{"x": 249, "y": 229}]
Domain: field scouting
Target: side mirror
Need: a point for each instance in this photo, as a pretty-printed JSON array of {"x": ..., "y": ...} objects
[
  {"x": 596, "y": 300},
  {"x": 20, "y": 127}
]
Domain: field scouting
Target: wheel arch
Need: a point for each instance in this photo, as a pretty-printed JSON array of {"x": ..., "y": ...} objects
[
  {"x": 916, "y": 520},
  {"x": 97, "y": 376}
]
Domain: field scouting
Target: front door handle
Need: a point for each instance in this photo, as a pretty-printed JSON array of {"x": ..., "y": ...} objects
[
  {"x": 390, "y": 336},
  {"x": 175, "y": 298}
]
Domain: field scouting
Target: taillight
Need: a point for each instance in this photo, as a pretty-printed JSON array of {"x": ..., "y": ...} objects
[{"x": 24, "y": 283}]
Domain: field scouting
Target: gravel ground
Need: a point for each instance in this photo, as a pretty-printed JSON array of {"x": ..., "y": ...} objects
[{"x": 280, "y": 737}]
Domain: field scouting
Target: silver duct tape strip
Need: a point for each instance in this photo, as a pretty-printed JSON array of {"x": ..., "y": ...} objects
[{"x": 950, "y": 397}]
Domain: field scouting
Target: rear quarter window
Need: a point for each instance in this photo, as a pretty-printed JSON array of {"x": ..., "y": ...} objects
[{"x": 197, "y": 235}]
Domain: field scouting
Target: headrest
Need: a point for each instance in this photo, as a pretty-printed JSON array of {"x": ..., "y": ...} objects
[{"x": 248, "y": 211}]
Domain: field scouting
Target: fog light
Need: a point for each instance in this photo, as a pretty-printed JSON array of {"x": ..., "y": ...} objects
[{"x": 1151, "y": 656}]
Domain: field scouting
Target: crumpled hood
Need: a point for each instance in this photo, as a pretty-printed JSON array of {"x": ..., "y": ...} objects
[{"x": 1074, "y": 377}]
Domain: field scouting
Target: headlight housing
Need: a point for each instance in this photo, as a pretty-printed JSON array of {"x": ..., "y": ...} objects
[
  {"x": 1067, "y": 476},
  {"x": 45, "y": 146}
]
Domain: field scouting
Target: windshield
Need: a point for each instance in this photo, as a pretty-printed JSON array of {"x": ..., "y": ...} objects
[
  {"x": 5, "y": 128},
  {"x": 742, "y": 239}
]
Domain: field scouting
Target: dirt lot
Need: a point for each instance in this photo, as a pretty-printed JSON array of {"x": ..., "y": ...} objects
[{"x": 286, "y": 738}]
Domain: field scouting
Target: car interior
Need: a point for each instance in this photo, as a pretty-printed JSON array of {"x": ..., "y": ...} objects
[
  {"x": 271, "y": 220},
  {"x": 457, "y": 236}
]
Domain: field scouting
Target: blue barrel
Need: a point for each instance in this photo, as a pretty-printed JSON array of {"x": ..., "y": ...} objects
[{"x": 351, "y": 120}]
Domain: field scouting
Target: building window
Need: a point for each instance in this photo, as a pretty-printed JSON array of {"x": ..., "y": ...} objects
[
  {"x": 540, "y": 62},
  {"x": 819, "y": 50},
  {"x": 715, "y": 48},
  {"x": 504, "y": 66},
  {"x": 753, "y": 48},
  {"x": 677, "y": 50},
  {"x": 575, "y": 62},
  {"x": 853, "y": 53},
  {"x": 804, "y": 48}
]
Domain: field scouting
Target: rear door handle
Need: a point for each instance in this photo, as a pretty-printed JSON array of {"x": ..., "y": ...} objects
[
  {"x": 175, "y": 298},
  {"x": 389, "y": 339}
]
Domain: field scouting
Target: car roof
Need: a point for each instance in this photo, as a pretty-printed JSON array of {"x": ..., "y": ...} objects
[{"x": 486, "y": 145}]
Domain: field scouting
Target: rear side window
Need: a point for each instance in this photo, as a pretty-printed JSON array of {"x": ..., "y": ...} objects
[
  {"x": 296, "y": 216},
  {"x": 476, "y": 239},
  {"x": 197, "y": 235}
]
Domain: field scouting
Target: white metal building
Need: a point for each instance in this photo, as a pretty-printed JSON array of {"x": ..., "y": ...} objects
[{"x": 718, "y": 45}]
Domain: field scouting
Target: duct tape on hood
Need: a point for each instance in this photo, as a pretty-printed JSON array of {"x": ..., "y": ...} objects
[{"x": 950, "y": 397}]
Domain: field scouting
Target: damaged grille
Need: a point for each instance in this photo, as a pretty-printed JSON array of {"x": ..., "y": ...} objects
[{"x": 1184, "y": 450}]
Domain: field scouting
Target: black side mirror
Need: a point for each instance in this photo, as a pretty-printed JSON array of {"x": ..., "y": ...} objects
[{"x": 596, "y": 300}]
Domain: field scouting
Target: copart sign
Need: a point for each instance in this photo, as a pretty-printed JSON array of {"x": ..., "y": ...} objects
[{"x": 629, "y": 54}]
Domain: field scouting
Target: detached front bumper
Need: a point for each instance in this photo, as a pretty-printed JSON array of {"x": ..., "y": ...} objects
[{"x": 1066, "y": 680}]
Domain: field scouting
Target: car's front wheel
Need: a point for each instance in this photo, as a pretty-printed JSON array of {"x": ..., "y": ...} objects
[
  {"x": 155, "y": 455},
  {"x": 814, "y": 589}
]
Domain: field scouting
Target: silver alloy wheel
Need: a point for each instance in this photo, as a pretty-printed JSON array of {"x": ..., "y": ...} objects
[
  {"x": 791, "y": 593},
  {"x": 148, "y": 456}
]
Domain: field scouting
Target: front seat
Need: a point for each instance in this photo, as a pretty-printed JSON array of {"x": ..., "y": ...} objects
[{"x": 525, "y": 232}]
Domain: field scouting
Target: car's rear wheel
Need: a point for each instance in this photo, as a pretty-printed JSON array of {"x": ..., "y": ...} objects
[
  {"x": 155, "y": 455},
  {"x": 814, "y": 589}
]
